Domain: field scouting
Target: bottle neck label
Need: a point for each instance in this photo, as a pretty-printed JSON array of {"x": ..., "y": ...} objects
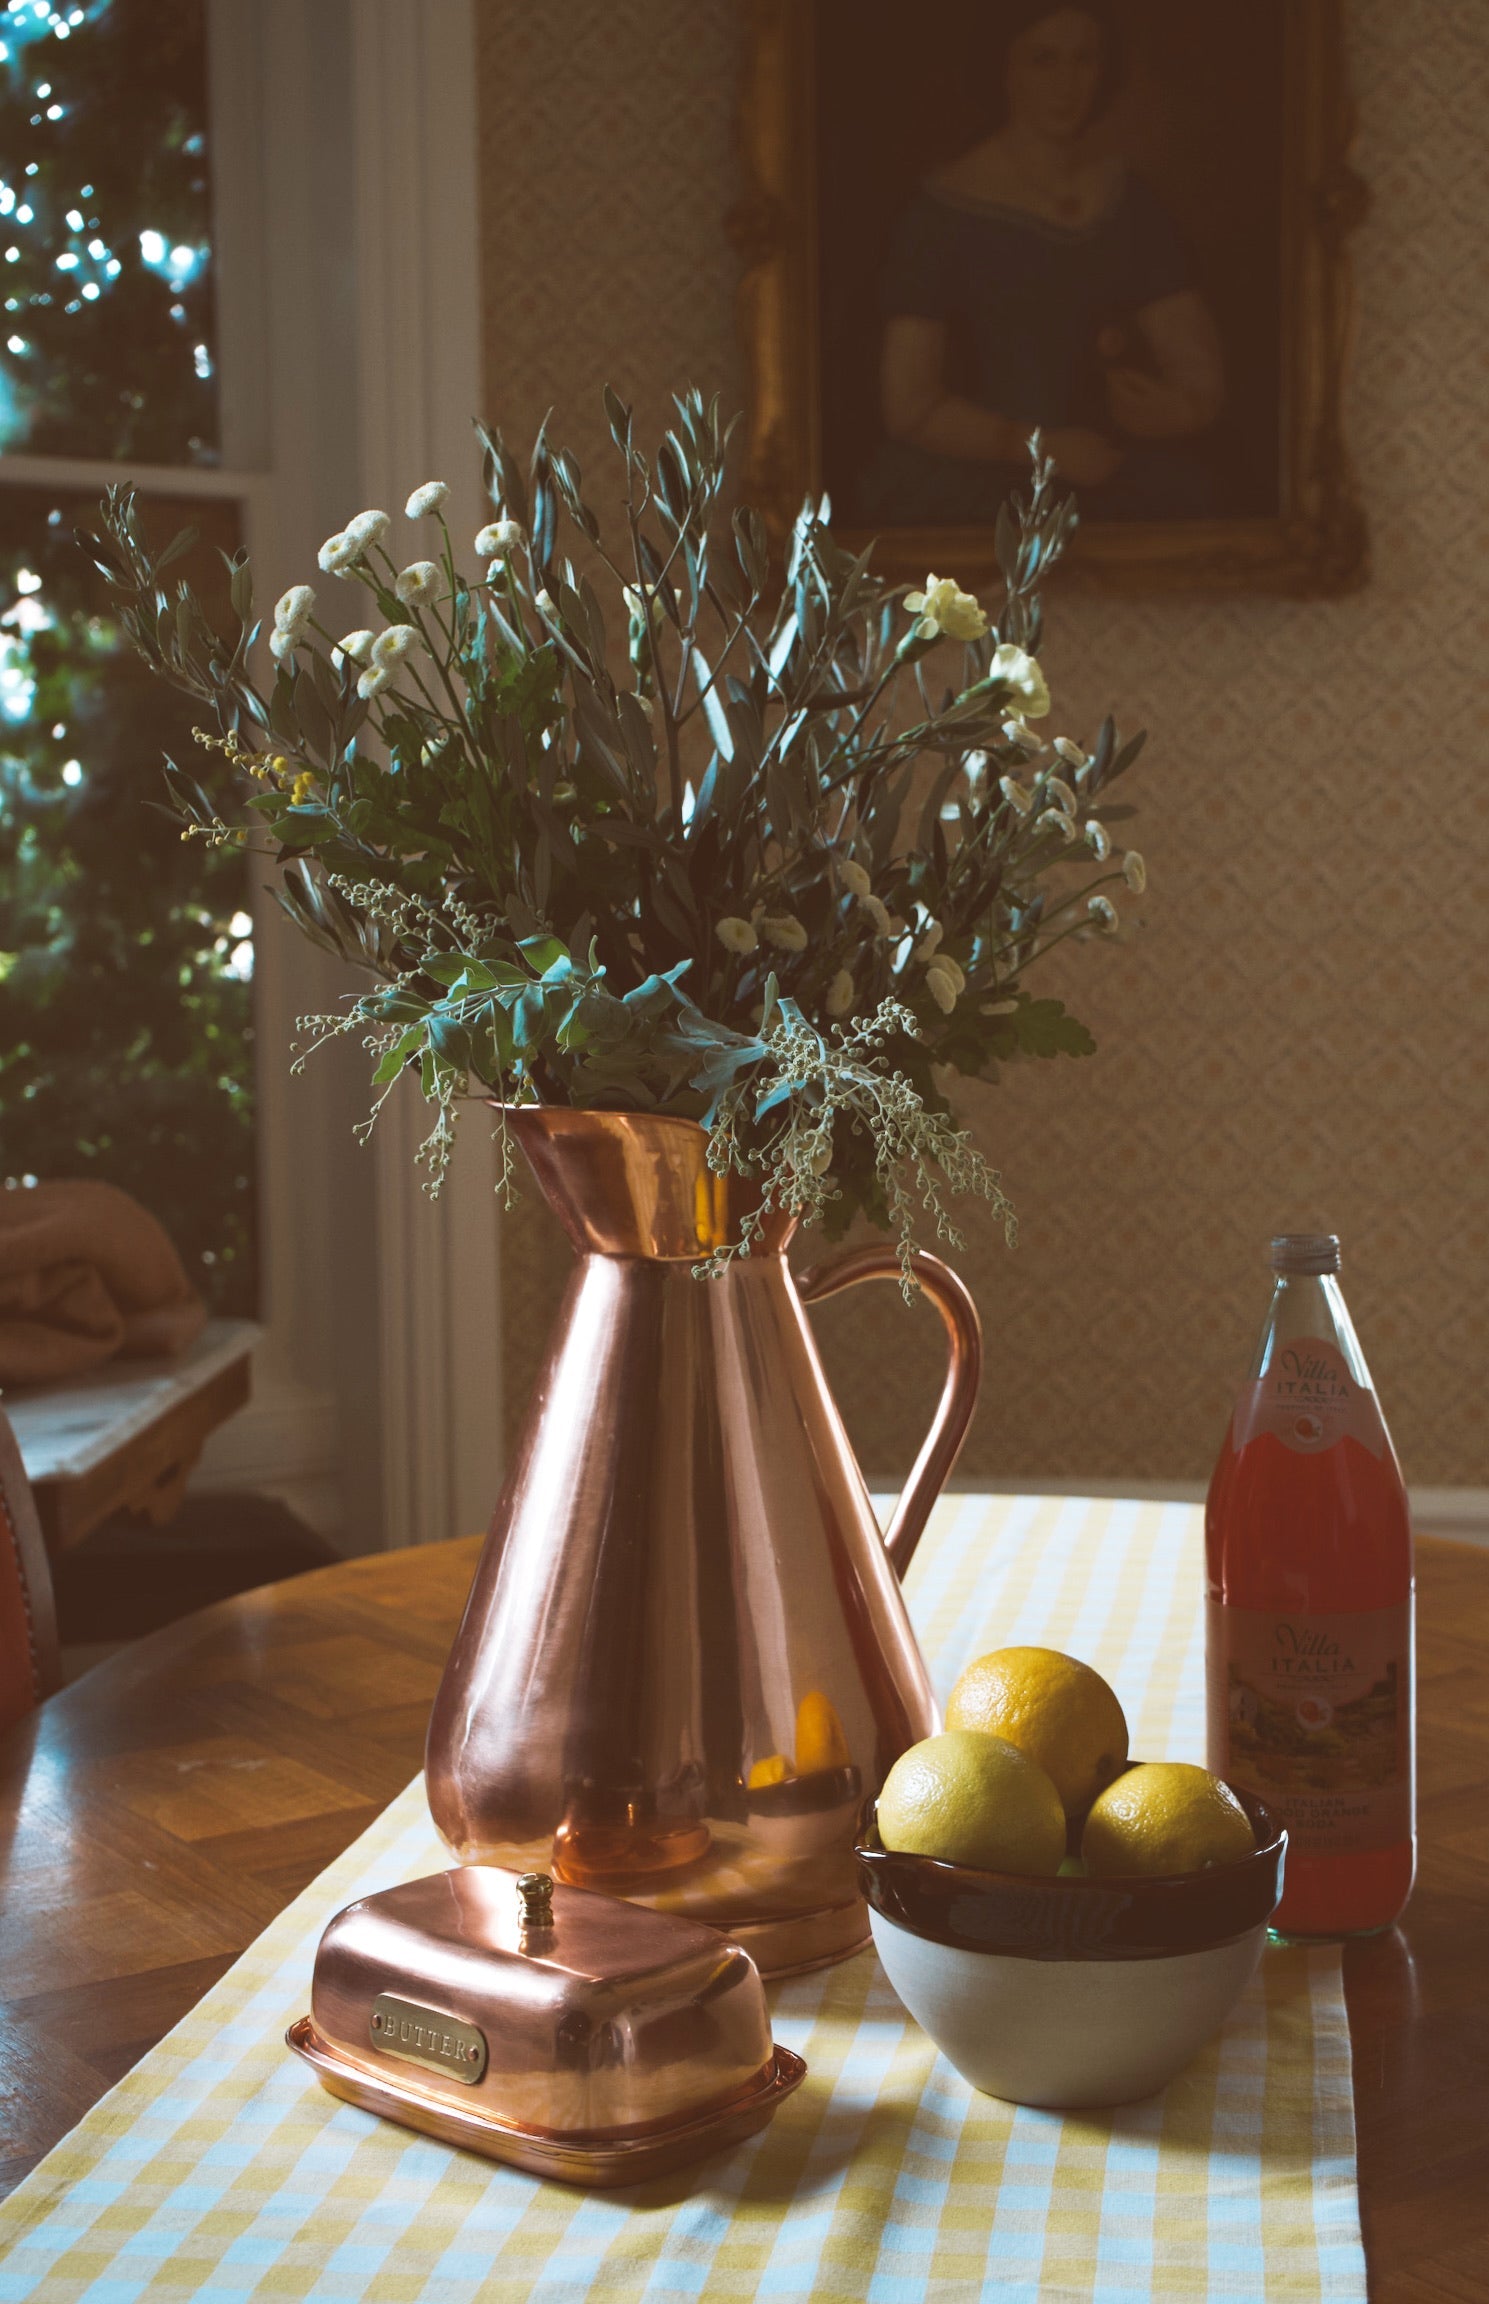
[
  {"x": 1309, "y": 1401},
  {"x": 1313, "y": 1713}
]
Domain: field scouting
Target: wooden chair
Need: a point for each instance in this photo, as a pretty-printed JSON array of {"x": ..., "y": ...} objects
[{"x": 30, "y": 1666}]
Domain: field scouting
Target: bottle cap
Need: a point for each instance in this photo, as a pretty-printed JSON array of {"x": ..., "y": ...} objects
[{"x": 1312, "y": 1252}]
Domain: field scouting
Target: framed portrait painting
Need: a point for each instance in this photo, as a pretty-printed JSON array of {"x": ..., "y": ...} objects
[{"x": 1123, "y": 222}]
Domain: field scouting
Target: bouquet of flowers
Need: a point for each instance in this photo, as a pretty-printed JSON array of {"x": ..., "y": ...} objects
[{"x": 769, "y": 848}]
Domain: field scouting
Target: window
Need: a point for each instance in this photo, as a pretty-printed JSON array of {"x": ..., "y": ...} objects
[{"x": 126, "y": 956}]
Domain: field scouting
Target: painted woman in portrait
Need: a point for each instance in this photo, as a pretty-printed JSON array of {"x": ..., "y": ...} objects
[{"x": 1035, "y": 279}]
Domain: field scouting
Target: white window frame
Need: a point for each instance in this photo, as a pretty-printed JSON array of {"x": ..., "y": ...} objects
[{"x": 343, "y": 137}]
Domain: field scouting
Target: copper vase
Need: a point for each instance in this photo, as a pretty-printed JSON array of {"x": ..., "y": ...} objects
[{"x": 685, "y": 1658}]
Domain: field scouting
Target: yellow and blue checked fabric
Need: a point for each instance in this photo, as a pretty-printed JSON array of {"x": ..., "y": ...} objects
[{"x": 219, "y": 2169}]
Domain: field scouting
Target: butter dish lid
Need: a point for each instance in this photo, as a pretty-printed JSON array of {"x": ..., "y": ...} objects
[{"x": 555, "y": 2011}]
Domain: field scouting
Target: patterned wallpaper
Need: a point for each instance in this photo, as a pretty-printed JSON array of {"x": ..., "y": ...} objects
[{"x": 1296, "y": 1034}]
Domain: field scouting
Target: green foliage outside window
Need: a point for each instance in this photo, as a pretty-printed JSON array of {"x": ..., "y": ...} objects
[
  {"x": 107, "y": 347},
  {"x": 125, "y": 959}
]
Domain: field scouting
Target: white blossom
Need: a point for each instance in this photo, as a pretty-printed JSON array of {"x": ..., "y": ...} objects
[
  {"x": 1017, "y": 733},
  {"x": 1060, "y": 792},
  {"x": 373, "y": 681},
  {"x": 432, "y": 496},
  {"x": 498, "y": 537},
  {"x": 998, "y": 1008},
  {"x": 1102, "y": 911},
  {"x": 282, "y": 645},
  {"x": 416, "y": 582},
  {"x": 292, "y": 608},
  {"x": 784, "y": 930},
  {"x": 839, "y": 999},
  {"x": 1055, "y": 820},
  {"x": 543, "y": 602},
  {"x": 368, "y": 528},
  {"x": 339, "y": 552},
  {"x": 1021, "y": 673},
  {"x": 1134, "y": 872},
  {"x": 927, "y": 947},
  {"x": 1100, "y": 839},
  {"x": 1015, "y": 795},
  {"x": 389, "y": 648},
  {"x": 878, "y": 912},
  {"x": 495, "y": 571},
  {"x": 1070, "y": 753},
  {"x": 636, "y": 605},
  {"x": 944, "y": 966},
  {"x": 357, "y": 645},
  {"x": 854, "y": 878},
  {"x": 736, "y": 935},
  {"x": 941, "y": 989},
  {"x": 944, "y": 607}
]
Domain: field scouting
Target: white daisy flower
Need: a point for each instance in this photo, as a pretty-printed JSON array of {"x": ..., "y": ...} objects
[
  {"x": 736, "y": 935},
  {"x": 1134, "y": 872},
  {"x": 389, "y": 648},
  {"x": 373, "y": 681},
  {"x": 854, "y": 878},
  {"x": 433, "y": 496},
  {"x": 784, "y": 930},
  {"x": 292, "y": 608},
  {"x": 839, "y": 999},
  {"x": 1102, "y": 911},
  {"x": 1070, "y": 753},
  {"x": 416, "y": 583},
  {"x": 368, "y": 528},
  {"x": 356, "y": 645},
  {"x": 1100, "y": 839},
  {"x": 282, "y": 645},
  {"x": 497, "y": 537},
  {"x": 339, "y": 552}
]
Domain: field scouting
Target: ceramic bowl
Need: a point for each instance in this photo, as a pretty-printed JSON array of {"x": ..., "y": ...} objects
[{"x": 1063, "y": 1993}]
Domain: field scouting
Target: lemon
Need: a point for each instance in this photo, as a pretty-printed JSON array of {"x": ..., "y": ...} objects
[
  {"x": 774, "y": 1769},
  {"x": 1057, "y": 1710},
  {"x": 1166, "y": 1816},
  {"x": 973, "y": 1799}
]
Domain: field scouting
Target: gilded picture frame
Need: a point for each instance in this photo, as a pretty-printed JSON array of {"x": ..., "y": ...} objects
[{"x": 1308, "y": 538}]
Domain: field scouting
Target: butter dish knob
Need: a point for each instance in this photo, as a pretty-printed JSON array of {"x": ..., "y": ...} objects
[{"x": 535, "y": 1899}]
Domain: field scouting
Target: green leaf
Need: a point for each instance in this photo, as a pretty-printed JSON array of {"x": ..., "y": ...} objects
[{"x": 1046, "y": 1028}]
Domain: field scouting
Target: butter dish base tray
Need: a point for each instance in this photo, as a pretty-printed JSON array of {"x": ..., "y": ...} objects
[{"x": 600, "y": 2160}]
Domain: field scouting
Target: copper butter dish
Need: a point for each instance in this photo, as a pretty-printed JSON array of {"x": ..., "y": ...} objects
[{"x": 559, "y": 2029}]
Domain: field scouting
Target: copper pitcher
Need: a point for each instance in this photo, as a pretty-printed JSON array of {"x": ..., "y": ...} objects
[{"x": 685, "y": 1658}]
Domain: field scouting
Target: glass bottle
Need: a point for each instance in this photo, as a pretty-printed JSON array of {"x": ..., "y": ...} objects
[{"x": 1309, "y": 1622}]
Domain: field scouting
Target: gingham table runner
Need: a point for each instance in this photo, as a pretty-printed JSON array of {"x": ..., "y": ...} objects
[{"x": 218, "y": 2168}]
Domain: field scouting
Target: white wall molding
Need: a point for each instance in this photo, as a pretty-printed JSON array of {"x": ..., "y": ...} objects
[{"x": 419, "y": 386}]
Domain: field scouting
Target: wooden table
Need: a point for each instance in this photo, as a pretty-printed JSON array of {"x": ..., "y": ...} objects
[
  {"x": 124, "y": 1438},
  {"x": 155, "y": 1816}
]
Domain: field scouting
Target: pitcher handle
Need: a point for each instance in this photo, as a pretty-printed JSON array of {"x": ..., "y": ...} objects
[{"x": 953, "y": 1300}]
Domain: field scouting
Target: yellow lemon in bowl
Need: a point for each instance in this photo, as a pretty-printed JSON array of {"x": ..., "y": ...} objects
[
  {"x": 1165, "y": 1816},
  {"x": 973, "y": 1799},
  {"x": 1055, "y": 1709}
]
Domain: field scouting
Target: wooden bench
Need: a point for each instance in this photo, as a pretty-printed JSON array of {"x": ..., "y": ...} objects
[{"x": 125, "y": 1437}]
